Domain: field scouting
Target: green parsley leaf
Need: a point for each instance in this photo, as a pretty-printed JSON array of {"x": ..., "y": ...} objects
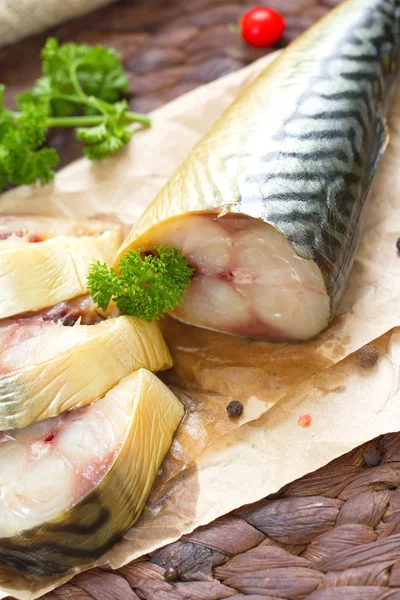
[
  {"x": 96, "y": 71},
  {"x": 102, "y": 283},
  {"x": 144, "y": 287},
  {"x": 81, "y": 87},
  {"x": 23, "y": 160},
  {"x": 92, "y": 135},
  {"x": 109, "y": 137}
]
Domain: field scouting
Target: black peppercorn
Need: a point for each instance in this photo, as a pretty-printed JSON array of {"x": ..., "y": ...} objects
[
  {"x": 398, "y": 244},
  {"x": 234, "y": 409},
  {"x": 367, "y": 356},
  {"x": 372, "y": 458}
]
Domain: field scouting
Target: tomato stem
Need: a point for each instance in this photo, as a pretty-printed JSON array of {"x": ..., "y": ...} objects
[{"x": 233, "y": 28}]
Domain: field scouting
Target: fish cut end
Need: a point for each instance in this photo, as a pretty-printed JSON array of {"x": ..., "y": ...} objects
[{"x": 248, "y": 278}]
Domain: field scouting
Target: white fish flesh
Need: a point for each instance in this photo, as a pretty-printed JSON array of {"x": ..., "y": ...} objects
[{"x": 248, "y": 279}]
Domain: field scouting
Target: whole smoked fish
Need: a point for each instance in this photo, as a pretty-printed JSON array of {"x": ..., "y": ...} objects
[{"x": 268, "y": 206}]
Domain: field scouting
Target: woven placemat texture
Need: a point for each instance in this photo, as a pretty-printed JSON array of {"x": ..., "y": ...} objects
[{"x": 332, "y": 535}]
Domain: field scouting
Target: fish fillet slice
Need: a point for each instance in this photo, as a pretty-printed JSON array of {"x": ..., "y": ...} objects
[
  {"x": 72, "y": 485},
  {"x": 44, "y": 261},
  {"x": 47, "y": 368}
]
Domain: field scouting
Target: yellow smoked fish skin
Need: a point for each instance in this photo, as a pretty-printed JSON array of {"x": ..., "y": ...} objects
[
  {"x": 38, "y": 275},
  {"x": 75, "y": 375}
]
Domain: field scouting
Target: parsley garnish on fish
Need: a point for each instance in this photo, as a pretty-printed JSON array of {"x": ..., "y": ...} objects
[
  {"x": 145, "y": 287},
  {"x": 81, "y": 87}
]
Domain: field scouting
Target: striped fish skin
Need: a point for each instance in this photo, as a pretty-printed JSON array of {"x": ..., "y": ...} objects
[
  {"x": 299, "y": 148},
  {"x": 314, "y": 179},
  {"x": 141, "y": 415}
]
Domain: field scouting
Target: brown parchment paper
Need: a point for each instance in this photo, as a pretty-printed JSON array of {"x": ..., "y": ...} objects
[{"x": 217, "y": 464}]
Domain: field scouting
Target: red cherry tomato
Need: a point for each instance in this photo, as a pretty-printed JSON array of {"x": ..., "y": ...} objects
[{"x": 262, "y": 27}]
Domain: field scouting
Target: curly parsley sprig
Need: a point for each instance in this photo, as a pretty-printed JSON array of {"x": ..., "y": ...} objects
[
  {"x": 143, "y": 287},
  {"x": 81, "y": 87}
]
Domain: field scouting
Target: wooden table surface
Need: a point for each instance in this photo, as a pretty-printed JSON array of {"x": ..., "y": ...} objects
[{"x": 169, "y": 47}]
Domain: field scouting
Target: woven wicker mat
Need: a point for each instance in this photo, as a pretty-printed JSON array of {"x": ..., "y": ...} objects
[{"x": 333, "y": 535}]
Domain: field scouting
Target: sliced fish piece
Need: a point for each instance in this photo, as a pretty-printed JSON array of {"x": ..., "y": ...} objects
[
  {"x": 72, "y": 485},
  {"x": 271, "y": 198},
  {"x": 47, "y": 368},
  {"x": 44, "y": 261}
]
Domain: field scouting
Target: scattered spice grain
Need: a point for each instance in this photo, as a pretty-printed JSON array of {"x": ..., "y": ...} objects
[
  {"x": 234, "y": 409},
  {"x": 367, "y": 356},
  {"x": 372, "y": 458},
  {"x": 171, "y": 575},
  {"x": 304, "y": 420}
]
